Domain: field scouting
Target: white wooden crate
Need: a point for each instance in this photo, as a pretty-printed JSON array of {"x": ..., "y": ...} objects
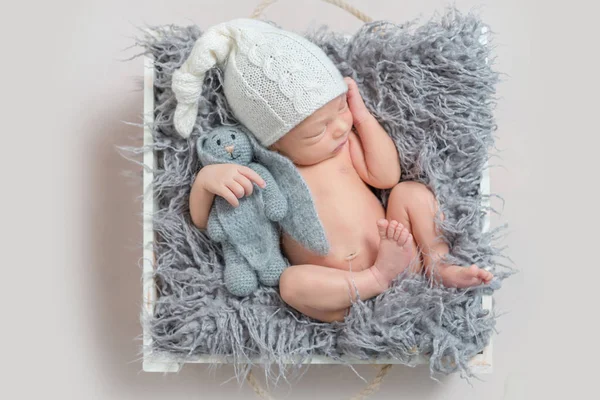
[{"x": 482, "y": 363}]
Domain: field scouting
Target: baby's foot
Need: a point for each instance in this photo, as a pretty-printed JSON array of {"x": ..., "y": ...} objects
[
  {"x": 395, "y": 251},
  {"x": 462, "y": 277}
]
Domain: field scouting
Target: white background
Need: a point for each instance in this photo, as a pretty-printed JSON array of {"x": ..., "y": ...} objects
[{"x": 71, "y": 234}]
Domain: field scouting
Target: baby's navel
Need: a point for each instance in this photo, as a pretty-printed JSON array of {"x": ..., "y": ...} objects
[{"x": 351, "y": 256}]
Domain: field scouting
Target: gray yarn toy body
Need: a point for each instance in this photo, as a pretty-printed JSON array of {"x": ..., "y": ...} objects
[{"x": 248, "y": 233}]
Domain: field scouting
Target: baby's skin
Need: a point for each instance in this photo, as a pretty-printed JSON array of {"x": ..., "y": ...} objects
[{"x": 369, "y": 245}]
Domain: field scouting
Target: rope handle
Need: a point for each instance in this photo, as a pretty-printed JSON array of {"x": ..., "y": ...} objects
[
  {"x": 340, "y": 3},
  {"x": 371, "y": 387},
  {"x": 374, "y": 385}
]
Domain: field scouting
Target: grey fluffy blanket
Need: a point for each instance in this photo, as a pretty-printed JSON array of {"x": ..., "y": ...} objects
[{"x": 430, "y": 87}]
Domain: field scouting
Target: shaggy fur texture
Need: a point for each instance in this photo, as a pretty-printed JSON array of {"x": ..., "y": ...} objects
[{"x": 432, "y": 90}]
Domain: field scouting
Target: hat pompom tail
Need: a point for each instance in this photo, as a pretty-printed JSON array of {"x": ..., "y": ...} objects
[{"x": 210, "y": 49}]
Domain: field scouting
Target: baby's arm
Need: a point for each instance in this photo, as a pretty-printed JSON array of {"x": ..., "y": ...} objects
[
  {"x": 373, "y": 152},
  {"x": 230, "y": 181},
  {"x": 200, "y": 202}
]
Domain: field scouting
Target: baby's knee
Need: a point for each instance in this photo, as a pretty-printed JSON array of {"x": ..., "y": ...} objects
[
  {"x": 288, "y": 287},
  {"x": 408, "y": 192}
]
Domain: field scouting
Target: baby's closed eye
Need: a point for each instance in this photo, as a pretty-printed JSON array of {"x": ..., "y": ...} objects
[{"x": 318, "y": 134}]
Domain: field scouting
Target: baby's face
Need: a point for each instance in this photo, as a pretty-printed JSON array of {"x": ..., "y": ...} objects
[{"x": 320, "y": 136}]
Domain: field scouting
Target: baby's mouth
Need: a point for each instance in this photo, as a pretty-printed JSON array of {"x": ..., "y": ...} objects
[{"x": 340, "y": 146}]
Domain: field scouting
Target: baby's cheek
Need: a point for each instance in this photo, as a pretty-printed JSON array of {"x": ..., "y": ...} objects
[
  {"x": 313, "y": 153},
  {"x": 303, "y": 154}
]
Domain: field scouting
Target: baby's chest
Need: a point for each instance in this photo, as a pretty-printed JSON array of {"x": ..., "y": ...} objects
[
  {"x": 331, "y": 178},
  {"x": 340, "y": 192}
]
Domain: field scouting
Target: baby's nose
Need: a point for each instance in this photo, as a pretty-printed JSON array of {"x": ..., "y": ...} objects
[
  {"x": 342, "y": 128},
  {"x": 229, "y": 149}
]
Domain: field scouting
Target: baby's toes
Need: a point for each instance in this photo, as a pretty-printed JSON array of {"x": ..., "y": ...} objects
[
  {"x": 485, "y": 276},
  {"x": 403, "y": 238},
  {"x": 476, "y": 275},
  {"x": 392, "y": 228},
  {"x": 382, "y": 226},
  {"x": 398, "y": 231}
]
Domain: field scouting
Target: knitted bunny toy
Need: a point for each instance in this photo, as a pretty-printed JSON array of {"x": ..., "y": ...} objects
[{"x": 247, "y": 233}]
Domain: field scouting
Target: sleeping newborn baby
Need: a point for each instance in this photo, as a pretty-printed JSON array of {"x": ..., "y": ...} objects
[{"x": 288, "y": 93}]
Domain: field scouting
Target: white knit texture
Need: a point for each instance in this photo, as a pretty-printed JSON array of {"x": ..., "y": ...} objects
[{"x": 273, "y": 79}]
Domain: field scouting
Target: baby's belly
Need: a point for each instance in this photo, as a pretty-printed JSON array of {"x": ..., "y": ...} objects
[{"x": 349, "y": 216}]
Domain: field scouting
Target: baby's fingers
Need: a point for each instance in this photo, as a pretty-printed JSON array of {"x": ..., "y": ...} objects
[
  {"x": 236, "y": 188},
  {"x": 246, "y": 184},
  {"x": 360, "y": 113},
  {"x": 350, "y": 83},
  {"x": 228, "y": 195},
  {"x": 252, "y": 175},
  {"x": 352, "y": 88}
]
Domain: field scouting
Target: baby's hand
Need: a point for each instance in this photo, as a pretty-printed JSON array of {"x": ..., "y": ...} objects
[
  {"x": 372, "y": 150},
  {"x": 230, "y": 181},
  {"x": 360, "y": 113}
]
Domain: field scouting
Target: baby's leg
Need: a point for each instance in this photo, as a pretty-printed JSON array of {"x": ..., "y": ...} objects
[
  {"x": 325, "y": 293},
  {"x": 413, "y": 205}
]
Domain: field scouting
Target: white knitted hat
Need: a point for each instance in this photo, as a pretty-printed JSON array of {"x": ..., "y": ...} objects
[{"x": 273, "y": 79}]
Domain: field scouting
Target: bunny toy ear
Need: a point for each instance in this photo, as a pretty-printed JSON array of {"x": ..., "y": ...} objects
[
  {"x": 204, "y": 154},
  {"x": 211, "y": 48},
  {"x": 200, "y": 144}
]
